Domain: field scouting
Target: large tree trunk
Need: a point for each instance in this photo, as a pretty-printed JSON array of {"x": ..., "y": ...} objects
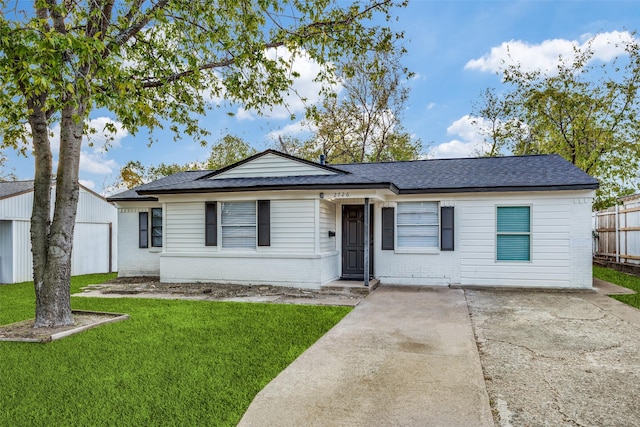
[{"x": 52, "y": 242}]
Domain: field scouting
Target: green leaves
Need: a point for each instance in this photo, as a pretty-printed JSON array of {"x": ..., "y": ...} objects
[
  {"x": 164, "y": 61},
  {"x": 364, "y": 123},
  {"x": 586, "y": 112}
]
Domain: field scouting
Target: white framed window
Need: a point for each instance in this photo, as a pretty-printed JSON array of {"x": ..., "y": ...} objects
[
  {"x": 417, "y": 225},
  {"x": 238, "y": 224},
  {"x": 513, "y": 233}
]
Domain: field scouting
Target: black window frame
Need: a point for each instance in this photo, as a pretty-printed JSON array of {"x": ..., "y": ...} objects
[
  {"x": 447, "y": 228},
  {"x": 211, "y": 224},
  {"x": 154, "y": 227},
  {"x": 143, "y": 230},
  {"x": 388, "y": 229}
]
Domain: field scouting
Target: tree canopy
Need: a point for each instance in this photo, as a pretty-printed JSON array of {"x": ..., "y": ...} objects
[
  {"x": 586, "y": 111},
  {"x": 363, "y": 123},
  {"x": 152, "y": 64}
]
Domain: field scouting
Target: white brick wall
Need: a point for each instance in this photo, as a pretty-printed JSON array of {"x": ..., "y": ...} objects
[
  {"x": 132, "y": 260},
  {"x": 239, "y": 268}
]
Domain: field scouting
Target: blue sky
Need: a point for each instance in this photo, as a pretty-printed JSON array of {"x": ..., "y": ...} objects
[{"x": 454, "y": 47}]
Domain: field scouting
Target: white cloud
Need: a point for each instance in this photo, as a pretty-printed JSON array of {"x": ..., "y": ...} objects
[
  {"x": 293, "y": 129},
  {"x": 243, "y": 114},
  {"x": 469, "y": 141},
  {"x": 96, "y": 163},
  {"x": 93, "y": 156},
  {"x": 546, "y": 55},
  {"x": 88, "y": 183},
  {"x": 304, "y": 91},
  {"x": 108, "y": 134}
]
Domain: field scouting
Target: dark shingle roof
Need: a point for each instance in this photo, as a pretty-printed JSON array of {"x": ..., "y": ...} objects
[
  {"x": 516, "y": 173},
  {"x": 478, "y": 174},
  {"x": 13, "y": 188},
  {"x": 172, "y": 180}
]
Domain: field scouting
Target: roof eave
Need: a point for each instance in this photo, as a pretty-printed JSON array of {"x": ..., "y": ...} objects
[
  {"x": 500, "y": 189},
  {"x": 365, "y": 186},
  {"x": 132, "y": 199}
]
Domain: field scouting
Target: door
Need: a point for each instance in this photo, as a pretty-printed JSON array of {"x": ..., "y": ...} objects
[{"x": 353, "y": 242}]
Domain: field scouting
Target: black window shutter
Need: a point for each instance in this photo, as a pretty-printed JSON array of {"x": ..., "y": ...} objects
[
  {"x": 211, "y": 224},
  {"x": 143, "y": 229},
  {"x": 446, "y": 228},
  {"x": 388, "y": 229},
  {"x": 264, "y": 223}
]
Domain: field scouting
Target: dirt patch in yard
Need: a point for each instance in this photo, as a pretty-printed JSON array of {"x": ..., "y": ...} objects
[
  {"x": 24, "y": 332},
  {"x": 151, "y": 287}
]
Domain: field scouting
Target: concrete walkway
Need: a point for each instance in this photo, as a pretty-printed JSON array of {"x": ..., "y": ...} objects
[{"x": 403, "y": 357}]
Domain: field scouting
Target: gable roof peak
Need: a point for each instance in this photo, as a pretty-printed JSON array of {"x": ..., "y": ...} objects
[{"x": 271, "y": 151}]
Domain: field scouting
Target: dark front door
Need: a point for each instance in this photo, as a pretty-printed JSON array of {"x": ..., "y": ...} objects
[{"x": 353, "y": 242}]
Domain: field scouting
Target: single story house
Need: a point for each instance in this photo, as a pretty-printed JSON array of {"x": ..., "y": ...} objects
[
  {"x": 276, "y": 219},
  {"x": 94, "y": 244}
]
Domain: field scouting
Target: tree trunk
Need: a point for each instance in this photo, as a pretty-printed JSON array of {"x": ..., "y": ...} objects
[{"x": 52, "y": 243}]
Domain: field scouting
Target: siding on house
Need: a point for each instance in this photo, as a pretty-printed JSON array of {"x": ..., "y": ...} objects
[
  {"x": 550, "y": 264},
  {"x": 271, "y": 165},
  {"x": 184, "y": 231},
  {"x": 327, "y": 224},
  {"x": 560, "y": 245},
  {"x": 289, "y": 260},
  {"x": 292, "y": 228}
]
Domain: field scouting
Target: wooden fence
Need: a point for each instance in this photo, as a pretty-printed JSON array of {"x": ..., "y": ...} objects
[{"x": 616, "y": 233}]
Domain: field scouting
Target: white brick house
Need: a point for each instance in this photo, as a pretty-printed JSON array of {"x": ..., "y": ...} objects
[{"x": 279, "y": 220}]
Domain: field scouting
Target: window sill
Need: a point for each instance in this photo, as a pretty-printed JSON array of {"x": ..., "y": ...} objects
[{"x": 420, "y": 251}]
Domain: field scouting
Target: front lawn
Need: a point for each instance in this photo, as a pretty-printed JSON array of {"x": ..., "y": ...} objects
[
  {"x": 172, "y": 363},
  {"x": 622, "y": 279}
]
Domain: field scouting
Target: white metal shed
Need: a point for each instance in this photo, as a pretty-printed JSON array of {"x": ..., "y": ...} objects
[{"x": 94, "y": 243}]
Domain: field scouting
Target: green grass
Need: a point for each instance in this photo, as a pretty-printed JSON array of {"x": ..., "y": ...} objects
[
  {"x": 172, "y": 363},
  {"x": 622, "y": 279}
]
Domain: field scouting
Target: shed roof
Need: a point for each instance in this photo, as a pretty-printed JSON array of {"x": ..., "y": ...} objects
[
  {"x": 13, "y": 188},
  {"x": 485, "y": 174}
]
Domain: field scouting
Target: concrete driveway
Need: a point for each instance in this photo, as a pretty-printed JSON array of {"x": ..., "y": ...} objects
[
  {"x": 408, "y": 357},
  {"x": 557, "y": 358},
  {"x": 402, "y": 357}
]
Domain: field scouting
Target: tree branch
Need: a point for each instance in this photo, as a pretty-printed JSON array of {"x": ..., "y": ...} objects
[
  {"x": 158, "y": 82},
  {"x": 58, "y": 19},
  {"x": 129, "y": 32}
]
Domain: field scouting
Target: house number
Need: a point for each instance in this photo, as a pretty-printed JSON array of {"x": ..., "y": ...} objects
[{"x": 340, "y": 194}]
